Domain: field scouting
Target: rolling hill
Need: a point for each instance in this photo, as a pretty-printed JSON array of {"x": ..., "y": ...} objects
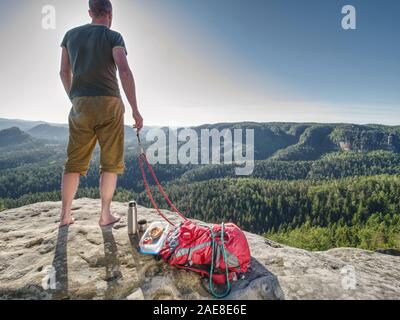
[
  {"x": 13, "y": 136},
  {"x": 24, "y": 125},
  {"x": 49, "y": 132},
  {"x": 315, "y": 186},
  {"x": 275, "y": 141}
]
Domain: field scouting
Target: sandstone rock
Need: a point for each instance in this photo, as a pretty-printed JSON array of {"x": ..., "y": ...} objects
[{"x": 84, "y": 261}]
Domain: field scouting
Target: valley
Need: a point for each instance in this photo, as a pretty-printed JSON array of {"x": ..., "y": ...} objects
[{"x": 314, "y": 186}]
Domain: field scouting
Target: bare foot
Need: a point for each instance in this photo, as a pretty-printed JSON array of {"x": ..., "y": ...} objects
[
  {"x": 108, "y": 220},
  {"x": 66, "y": 221}
]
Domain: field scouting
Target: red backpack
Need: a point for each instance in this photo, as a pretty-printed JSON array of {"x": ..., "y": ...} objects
[{"x": 219, "y": 252}]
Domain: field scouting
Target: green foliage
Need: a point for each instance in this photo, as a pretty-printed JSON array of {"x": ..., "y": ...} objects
[
  {"x": 367, "y": 138},
  {"x": 376, "y": 233},
  {"x": 312, "y": 144},
  {"x": 345, "y": 164},
  {"x": 121, "y": 195},
  {"x": 44, "y": 174},
  {"x": 331, "y": 166},
  {"x": 359, "y": 211},
  {"x": 304, "y": 191}
]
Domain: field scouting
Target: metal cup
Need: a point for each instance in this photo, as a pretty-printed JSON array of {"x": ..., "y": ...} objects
[{"x": 142, "y": 225}]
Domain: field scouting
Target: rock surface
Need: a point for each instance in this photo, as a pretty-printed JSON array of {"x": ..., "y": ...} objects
[{"x": 84, "y": 261}]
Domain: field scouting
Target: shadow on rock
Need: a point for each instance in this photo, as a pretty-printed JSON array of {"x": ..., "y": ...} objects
[
  {"x": 258, "y": 284},
  {"x": 111, "y": 261},
  {"x": 57, "y": 281}
]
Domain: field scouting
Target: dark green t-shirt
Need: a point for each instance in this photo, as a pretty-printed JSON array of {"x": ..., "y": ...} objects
[{"x": 93, "y": 66}]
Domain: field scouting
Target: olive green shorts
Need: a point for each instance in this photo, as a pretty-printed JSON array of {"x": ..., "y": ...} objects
[{"x": 95, "y": 119}]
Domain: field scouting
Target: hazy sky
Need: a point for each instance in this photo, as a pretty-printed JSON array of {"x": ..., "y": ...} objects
[{"x": 207, "y": 61}]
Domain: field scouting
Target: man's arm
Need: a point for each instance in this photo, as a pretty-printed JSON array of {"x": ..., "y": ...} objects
[
  {"x": 65, "y": 71},
  {"x": 128, "y": 83}
]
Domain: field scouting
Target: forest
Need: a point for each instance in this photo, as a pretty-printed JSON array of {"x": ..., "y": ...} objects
[{"x": 314, "y": 186}]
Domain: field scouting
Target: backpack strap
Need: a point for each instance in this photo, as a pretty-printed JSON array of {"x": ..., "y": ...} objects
[
  {"x": 228, "y": 284},
  {"x": 217, "y": 278}
]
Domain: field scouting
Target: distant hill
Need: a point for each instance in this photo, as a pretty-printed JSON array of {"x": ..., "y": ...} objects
[
  {"x": 310, "y": 141},
  {"x": 24, "y": 125},
  {"x": 49, "y": 132},
  {"x": 275, "y": 141},
  {"x": 13, "y": 136},
  {"x": 58, "y": 132}
]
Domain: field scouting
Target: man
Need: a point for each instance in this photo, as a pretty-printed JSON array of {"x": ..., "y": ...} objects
[{"x": 91, "y": 55}]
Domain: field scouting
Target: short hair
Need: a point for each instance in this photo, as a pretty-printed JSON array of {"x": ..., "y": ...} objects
[{"x": 100, "y": 7}]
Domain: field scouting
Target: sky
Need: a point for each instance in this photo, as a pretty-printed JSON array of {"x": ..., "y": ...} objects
[{"x": 209, "y": 61}]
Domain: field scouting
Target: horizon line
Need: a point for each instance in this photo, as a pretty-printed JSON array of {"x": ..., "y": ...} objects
[{"x": 222, "y": 123}]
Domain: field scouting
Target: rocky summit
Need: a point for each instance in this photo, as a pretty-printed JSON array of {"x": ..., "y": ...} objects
[{"x": 40, "y": 261}]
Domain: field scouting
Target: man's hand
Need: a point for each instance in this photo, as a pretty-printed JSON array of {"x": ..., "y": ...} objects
[{"x": 138, "y": 121}]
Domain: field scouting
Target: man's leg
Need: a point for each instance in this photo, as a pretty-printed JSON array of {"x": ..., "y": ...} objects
[
  {"x": 108, "y": 183},
  {"x": 111, "y": 139},
  {"x": 70, "y": 183},
  {"x": 82, "y": 141}
]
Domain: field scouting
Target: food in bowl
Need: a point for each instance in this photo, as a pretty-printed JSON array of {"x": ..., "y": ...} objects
[{"x": 156, "y": 232}]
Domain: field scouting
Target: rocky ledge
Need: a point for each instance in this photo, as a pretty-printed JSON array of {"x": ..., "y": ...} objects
[{"x": 84, "y": 261}]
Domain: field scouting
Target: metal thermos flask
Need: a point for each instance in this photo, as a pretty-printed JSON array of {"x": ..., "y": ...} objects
[{"x": 132, "y": 218}]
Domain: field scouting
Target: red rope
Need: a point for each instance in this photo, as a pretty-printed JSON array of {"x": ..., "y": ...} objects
[
  {"x": 150, "y": 194},
  {"x": 162, "y": 189}
]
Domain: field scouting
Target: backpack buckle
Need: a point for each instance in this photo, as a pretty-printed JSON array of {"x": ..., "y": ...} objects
[{"x": 189, "y": 263}]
